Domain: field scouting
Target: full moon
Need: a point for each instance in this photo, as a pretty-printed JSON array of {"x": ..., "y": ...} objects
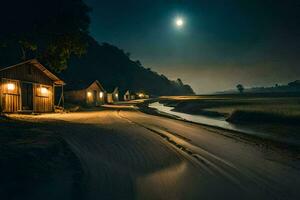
[{"x": 179, "y": 22}]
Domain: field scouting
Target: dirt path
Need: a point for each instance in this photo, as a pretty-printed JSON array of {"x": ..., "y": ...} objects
[{"x": 131, "y": 155}]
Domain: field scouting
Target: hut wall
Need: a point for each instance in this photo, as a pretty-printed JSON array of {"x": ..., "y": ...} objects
[
  {"x": 132, "y": 97},
  {"x": 126, "y": 96},
  {"x": 110, "y": 98},
  {"x": 115, "y": 96},
  {"x": 93, "y": 95},
  {"x": 10, "y": 98},
  {"x": 89, "y": 97},
  {"x": 76, "y": 96},
  {"x": 43, "y": 98}
]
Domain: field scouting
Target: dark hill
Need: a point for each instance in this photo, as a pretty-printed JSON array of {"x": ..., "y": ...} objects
[{"x": 113, "y": 67}]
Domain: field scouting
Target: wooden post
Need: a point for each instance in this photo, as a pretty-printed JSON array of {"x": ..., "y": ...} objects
[
  {"x": 63, "y": 97},
  {"x": 20, "y": 94},
  {"x": 1, "y": 91},
  {"x": 53, "y": 97},
  {"x": 34, "y": 98}
]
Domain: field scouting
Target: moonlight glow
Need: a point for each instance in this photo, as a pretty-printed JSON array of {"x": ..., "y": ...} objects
[{"x": 179, "y": 22}]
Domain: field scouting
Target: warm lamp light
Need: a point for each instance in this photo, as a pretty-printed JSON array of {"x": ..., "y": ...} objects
[
  {"x": 44, "y": 90},
  {"x": 101, "y": 94},
  {"x": 10, "y": 86},
  {"x": 89, "y": 94},
  {"x": 116, "y": 95}
]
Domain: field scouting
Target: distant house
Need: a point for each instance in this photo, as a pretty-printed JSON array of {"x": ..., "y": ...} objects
[
  {"x": 114, "y": 96},
  {"x": 132, "y": 97},
  {"x": 141, "y": 95},
  {"x": 86, "y": 93},
  {"x": 127, "y": 96},
  {"x": 28, "y": 87}
]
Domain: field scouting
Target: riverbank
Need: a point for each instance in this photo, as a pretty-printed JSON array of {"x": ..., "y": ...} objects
[
  {"x": 285, "y": 135},
  {"x": 36, "y": 163},
  {"x": 240, "y": 109}
]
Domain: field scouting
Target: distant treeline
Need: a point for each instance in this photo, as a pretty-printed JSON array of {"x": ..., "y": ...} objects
[
  {"x": 114, "y": 68},
  {"x": 292, "y": 87}
]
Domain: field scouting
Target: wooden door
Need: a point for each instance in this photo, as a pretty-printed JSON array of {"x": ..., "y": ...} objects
[
  {"x": 95, "y": 97},
  {"x": 27, "y": 96}
]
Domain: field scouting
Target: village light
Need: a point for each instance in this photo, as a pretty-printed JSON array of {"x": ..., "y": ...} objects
[
  {"x": 116, "y": 95},
  {"x": 44, "y": 90},
  {"x": 141, "y": 95},
  {"x": 89, "y": 94},
  {"x": 101, "y": 94},
  {"x": 10, "y": 86}
]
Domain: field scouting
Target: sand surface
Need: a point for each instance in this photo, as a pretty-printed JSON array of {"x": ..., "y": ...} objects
[{"x": 126, "y": 154}]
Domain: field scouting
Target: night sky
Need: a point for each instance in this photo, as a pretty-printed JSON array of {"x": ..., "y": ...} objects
[{"x": 222, "y": 42}]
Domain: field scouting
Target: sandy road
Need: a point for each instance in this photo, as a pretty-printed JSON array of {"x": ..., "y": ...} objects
[{"x": 127, "y": 154}]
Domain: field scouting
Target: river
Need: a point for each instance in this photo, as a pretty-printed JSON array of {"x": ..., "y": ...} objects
[{"x": 220, "y": 123}]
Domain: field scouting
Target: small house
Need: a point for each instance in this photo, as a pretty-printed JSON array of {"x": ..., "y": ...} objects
[
  {"x": 132, "y": 97},
  {"x": 86, "y": 93},
  {"x": 126, "y": 96},
  {"x": 114, "y": 96},
  {"x": 142, "y": 95},
  {"x": 28, "y": 87}
]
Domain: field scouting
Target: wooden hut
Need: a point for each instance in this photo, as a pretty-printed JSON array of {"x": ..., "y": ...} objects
[
  {"x": 132, "y": 97},
  {"x": 28, "y": 87},
  {"x": 141, "y": 95},
  {"x": 114, "y": 96},
  {"x": 90, "y": 94},
  {"x": 126, "y": 96}
]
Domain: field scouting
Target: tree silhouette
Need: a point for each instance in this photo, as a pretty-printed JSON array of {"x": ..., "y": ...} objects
[
  {"x": 240, "y": 88},
  {"x": 50, "y": 30},
  {"x": 128, "y": 54},
  {"x": 138, "y": 63},
  {"x": 179, "y": 81}
]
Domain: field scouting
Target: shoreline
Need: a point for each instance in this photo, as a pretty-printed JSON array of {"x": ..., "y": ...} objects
[{"x": 255, "y": 139}]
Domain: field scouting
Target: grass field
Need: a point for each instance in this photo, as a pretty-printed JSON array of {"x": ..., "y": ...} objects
[
  {"x": 285, "y": 110},
  {"x": 235, "y": 106}
]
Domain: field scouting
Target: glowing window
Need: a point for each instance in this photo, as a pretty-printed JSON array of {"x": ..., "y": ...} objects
[
  {"x": 44, "y": 91},
  {"x": 101, "y": 94},
  {"x": 89, "y": 94},
  {"x": 11, "y": 86}
]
